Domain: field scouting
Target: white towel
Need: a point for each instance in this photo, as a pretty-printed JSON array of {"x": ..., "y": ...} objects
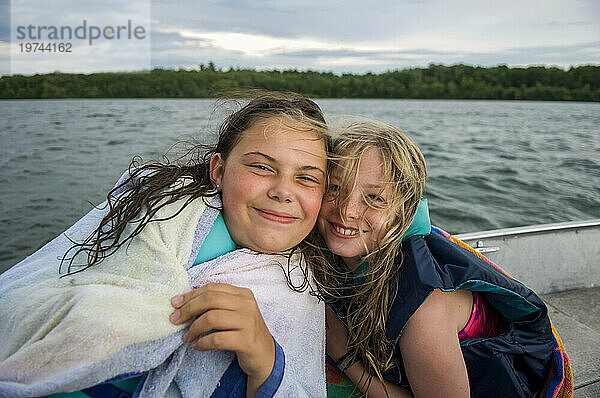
[{"x": 66, "y": 334}]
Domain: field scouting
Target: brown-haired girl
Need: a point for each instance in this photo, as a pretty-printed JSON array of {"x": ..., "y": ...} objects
[{"x": 230, "y": 223}]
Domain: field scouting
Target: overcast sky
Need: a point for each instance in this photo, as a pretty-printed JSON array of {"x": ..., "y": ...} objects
[{"x": 338, "y": 36}]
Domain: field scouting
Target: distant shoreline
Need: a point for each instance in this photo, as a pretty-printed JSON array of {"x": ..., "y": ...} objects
[{"x": 581, "y": 83}]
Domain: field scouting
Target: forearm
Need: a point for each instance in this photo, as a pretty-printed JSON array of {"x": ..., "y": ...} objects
[{"x": 375, "y": 389}]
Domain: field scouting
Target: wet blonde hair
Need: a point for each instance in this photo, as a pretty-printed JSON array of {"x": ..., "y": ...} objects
[{"x": 404, "y": 181}]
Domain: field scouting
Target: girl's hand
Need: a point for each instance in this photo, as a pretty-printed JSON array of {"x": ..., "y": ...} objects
[
  {"x": 337, "y": 337},
  {"x": 226, "y": 317}
]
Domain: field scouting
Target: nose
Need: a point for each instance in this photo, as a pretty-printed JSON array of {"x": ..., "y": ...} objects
[
  {"x": 281, "y": 191},
  {"x": 354, "y": 206}
]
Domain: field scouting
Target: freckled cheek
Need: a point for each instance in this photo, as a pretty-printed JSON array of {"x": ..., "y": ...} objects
[{"x": 381, "y": 226}]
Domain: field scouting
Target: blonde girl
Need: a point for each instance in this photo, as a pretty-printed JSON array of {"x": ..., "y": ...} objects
[{"x": 414, "y": 312}]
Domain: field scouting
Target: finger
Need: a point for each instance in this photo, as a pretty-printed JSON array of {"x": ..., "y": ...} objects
[
  {"x": 181, "y": 299},
  {"x": 230, "y": 340},
  {"x": 215, "y": 320},
  {"x": 202, "y": 302}
]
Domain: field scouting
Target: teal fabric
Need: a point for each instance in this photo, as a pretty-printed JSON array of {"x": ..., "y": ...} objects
[
  {"x": 128, "y": 385},
  {"x": 217, "y": 242},
  {"x": 74, "y": 394},
  {"x": 513, "y": 306},
  {"x": 421, "y": 224}
]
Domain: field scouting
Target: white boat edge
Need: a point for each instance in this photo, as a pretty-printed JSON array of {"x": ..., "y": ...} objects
[{"x": 547, "y": 257}]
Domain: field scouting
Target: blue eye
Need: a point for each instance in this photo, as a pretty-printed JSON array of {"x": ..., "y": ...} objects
[{"x": 375, "y": 198}]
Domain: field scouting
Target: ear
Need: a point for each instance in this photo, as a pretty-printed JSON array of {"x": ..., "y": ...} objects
[{"x": 216, "y": 169}]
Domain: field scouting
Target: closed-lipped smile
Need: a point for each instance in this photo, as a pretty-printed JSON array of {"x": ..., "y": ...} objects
[{"x": 282, "y": 218}]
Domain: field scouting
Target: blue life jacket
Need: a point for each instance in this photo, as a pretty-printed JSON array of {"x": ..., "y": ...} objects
[{"x": 513, "y": 364}]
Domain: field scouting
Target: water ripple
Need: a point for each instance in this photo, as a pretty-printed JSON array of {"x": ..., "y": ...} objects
[{"x": 492, "y": 164}]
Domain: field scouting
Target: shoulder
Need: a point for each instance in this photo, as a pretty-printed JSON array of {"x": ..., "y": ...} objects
[
  {"x": 186, "y": 207},
  {"x": 433, "y": 310},
  {"x": 447, "y": 311}
]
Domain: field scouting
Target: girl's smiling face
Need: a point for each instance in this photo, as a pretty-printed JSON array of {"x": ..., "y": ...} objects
[
  {"x": 365, "y": 216},
  {"x": 272, "y": 184}
]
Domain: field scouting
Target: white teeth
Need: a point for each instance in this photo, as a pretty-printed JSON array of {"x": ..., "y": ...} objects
[{"x": 344, "y": 231}]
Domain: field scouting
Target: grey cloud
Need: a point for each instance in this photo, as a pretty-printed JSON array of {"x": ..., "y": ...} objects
[
  {"x": 167, "y": 40},
  {"x": 5, "y": 20},
  {"x": 336, "y": 21},
  {"x": 326, "y": 53},
  {"x": 580, "y": 23},
  {"x": 555, "y": 24},
  {"x": 290, "y": 19},
  {"x": 357, "y": 53},
  {"x": 372, "y": 61},
  {"x": 566, "y": 49}
]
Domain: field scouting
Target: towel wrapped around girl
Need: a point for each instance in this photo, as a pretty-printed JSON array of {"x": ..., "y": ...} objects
[
  {"x": 233, "y": 219},
  {"x": 112, "y": 322}
]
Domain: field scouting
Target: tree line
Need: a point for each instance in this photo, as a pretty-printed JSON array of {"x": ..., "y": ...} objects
[{"x": 581, "y": 83}]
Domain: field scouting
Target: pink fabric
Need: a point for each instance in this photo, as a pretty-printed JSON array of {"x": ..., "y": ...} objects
[{"x": 484, "y": 320}]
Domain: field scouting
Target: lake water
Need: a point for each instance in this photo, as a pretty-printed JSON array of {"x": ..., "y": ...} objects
[{"x": 492, "y": 164}]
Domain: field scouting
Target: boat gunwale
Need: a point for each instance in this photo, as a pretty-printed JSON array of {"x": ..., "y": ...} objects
[{"x": 531, "y": 229}]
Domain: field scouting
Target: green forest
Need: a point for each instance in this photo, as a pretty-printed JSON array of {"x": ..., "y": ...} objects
[{"x": 581, "y": 83}]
